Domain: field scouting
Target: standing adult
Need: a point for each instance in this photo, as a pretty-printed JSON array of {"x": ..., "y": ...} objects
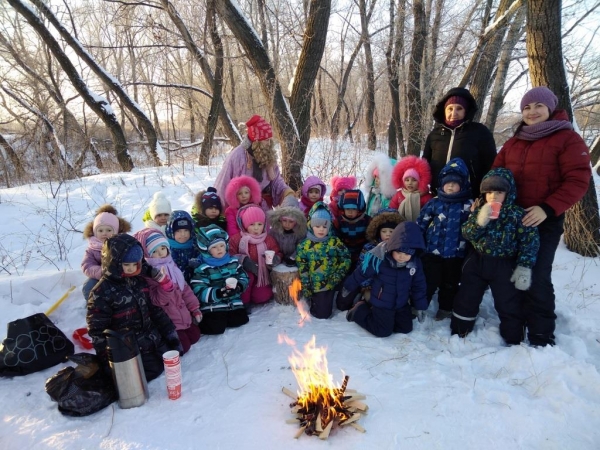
[
  {"x": 455, "y": 135},
  {"x": 256, "y": 157},
  {"x": 551, "y": 166}
]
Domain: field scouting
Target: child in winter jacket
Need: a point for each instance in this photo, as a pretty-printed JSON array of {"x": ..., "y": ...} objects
[
  {"x": 351, "y": 223},
  {"x": 323, "y": 261},
  {"x": 288, "y": 228},
  {"x": 396, "y": 275},
  {"x": 378, "y": 189},
  {"x": 221, "y": 305},
  {"x": 239, "y": 192},
  {"x": 180, "y": 233},
  {"x": 313, "y": 191},
  {"x": 440, "y": 221},
  {"x": 158, "y": 212},
  {"x": 208, "y": 210},
  {"x": 120, "y": 302},
  {"x": 176, "y": 299},
  {"x": 105, "y": 224},
  {"x": 250, "y": 245},
  {"x": 339, "y": 185},
  {"x": 504, "y": 251},
  {"x": 411, "y": 177}
]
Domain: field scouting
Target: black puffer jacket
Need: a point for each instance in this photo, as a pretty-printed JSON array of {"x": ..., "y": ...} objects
[
  {"x": 122, "y": 303},
  {"x": 470, "y": 141}
]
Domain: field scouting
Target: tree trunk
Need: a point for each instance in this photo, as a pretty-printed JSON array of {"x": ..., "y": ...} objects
[
  {"x": 415, "y": 107},
  {"x": 14, "y": 159},
  {"x": 95, "y": 102},
  {"x": 370, "y": 73},
  {"x": 546, "y": 68}
]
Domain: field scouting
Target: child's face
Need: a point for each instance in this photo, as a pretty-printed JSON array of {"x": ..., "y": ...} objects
[
  {"x": 320, "y": 231},
  {"x": 452, "y": 187},
  {"x": 243, "y": 196},
  {"x": 411, "y": 184},
  {"x": 256, "y": 228},
  {"x": 385, "y": 234},
  {"x": 351, "y": 213},
  {"x": 103, "y": 232},
  {"x": 160, "y": 252},
  {"x": 212, "y": 212},
  {"x": 400, "y": 257},
  {"x": 218, "y": 250},
  {"x": 161, "y": 219},
  {"x": 130, "y": 268},
  {"x": 287, "y": 224},
  {"x": 495, "y": 196},
  {"x": 314, "y": 194},
  {"x": 182, "y": 235}
]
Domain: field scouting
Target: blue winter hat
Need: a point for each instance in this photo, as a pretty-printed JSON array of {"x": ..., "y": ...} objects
[
  {"x": 407, "y": 250},
  {"x": 133, "y": 255},
  {"x": 320, "y": 217},
  {"x": 154, "y": 241},
  {"x": 452, "y": 177}
]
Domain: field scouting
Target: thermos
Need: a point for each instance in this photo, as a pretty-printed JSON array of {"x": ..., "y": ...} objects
[{"x": 127, "y": 368}]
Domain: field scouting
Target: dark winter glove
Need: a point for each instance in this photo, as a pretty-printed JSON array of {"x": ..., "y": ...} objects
[
  {"x": 289, "y": 262},
  {"x": 173, "y": 342},
  {"x": 197, "y": 316},
  {"x": 250, "y": 266},
  {"x": 345, "y": 292},
  {"x": 522, "y": 278},
  {"x": 483, "y": 216},
  {"x": 276, "y": 261},
  {"x": 421, "y": 316},
  {"x": 194, "y": 263},
  {"x": 223, "y": 292}
]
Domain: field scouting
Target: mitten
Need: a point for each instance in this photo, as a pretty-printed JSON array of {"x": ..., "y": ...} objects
[
  {"x": 250, "y": 266},
  {"x": 483, "y": 216},
  {"x": 345, "y": 292},
  {"x": 194, "y": 263},
  {"x": 289, "y": 262},
  {"x": 223, "y": 292},
  {"x": 197, "y": 315},
  {"x": 276, "y": 260},
  {"x": 522, "y": 278},
  {"x": 173, "y": 342},
  {"x": 421, "y": 316},
  {"x": 290, "y": 200},
  {"x": 164, "y": 280}
]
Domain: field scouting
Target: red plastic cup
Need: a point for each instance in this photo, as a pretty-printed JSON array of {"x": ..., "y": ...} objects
[
  {"x": 495, "y": 209},
  {"x": 173, "y": 373}
]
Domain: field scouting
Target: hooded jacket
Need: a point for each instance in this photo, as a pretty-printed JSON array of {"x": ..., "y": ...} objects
[
  {"x": 201, "y": 219},
  {"x": 305, "y": 204},
  {"x": 378, "y": 198},
  {"x": 287, "y": 240},
  {"x": 231, "y": 190},
  {"x": 392, "y": 285},
  {"x": 506, "y": 236},
  {"x": 471, "y": 141},
  {"x": 122, "y": 303},
  {"x": 442, "y": 217},
  {"x": 422, "y": 168},
  {"x": 182, "y": 253}
]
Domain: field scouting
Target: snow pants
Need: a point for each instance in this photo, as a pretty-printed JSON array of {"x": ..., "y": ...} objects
[
  {"x": 443, "y": 274},
  {"x": 478, "y": 273},
  {"x": 215, "y": 322},
  {"x": 255, "y": 294},
  {"x": 321, "y": 304},
  {"x": 383, "y": 322},
  {"x": 188, "y": 337}
]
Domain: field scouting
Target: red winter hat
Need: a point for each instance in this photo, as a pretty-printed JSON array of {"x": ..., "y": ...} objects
[{"x": 259, "y": 129}]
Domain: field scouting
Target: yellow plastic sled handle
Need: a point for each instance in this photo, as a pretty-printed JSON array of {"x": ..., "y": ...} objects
[{"x": 59, "y": 301}]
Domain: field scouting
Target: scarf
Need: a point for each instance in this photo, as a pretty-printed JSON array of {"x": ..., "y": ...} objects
[
  {"x": 542, "y": 129},
  {"x": 375, "y": 203},
  {"x": 410, "y": 206},
  {"x": 217, "y": 262},
  {"x": 95, "y": 244},
  {"x": 457, "y": 197},
  {"x": 172, "y": 270},
  {"x": 259, "y": 241},
  {"x": 306, "y": 202},
  {"x": 179, "y": 246},
  {"x": 311, "y": 237},
  {"x": 454, "y": 123}
]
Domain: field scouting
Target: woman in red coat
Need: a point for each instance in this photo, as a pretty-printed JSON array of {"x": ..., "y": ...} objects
[{"x": 551, "y": 166}]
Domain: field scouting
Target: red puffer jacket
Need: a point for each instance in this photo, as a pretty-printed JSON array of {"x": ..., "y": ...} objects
[{"x": 553, "y": 171}]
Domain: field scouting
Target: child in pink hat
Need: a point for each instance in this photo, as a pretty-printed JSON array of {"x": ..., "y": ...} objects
[
  {"x": 339, "y": 185},
  {"x": 411, "y": 178},
  {"x": 239, "y": 192}
]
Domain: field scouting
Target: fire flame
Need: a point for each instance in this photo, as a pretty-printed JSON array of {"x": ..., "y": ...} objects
[{"x": 294, "y": 290}]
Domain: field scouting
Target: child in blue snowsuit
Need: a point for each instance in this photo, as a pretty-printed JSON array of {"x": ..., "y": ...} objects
[{"x": 396, "y": 275}]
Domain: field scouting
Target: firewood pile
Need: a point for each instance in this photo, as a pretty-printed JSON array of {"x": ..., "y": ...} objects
[{"x": 321, "y": 408}]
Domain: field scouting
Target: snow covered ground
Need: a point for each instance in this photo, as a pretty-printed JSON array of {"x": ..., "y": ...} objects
[{"x": 425, "y": 390}]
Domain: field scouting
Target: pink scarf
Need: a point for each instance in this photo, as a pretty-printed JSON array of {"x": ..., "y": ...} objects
[
  {"x": 259, "y": 241},
  {"x": 172, "y": 270}
]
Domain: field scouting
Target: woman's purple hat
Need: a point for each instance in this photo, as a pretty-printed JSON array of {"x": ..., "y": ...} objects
[{"x": 540, "y": 94}]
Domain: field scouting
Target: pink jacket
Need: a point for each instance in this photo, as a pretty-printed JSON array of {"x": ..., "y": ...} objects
[
  {"x": 230, "y": 217},
  {"x": 91, "y": 264},
  {"x": 177, "y": 304}
]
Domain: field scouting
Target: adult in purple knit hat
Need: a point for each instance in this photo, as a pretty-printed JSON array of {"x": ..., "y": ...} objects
[{"x": 551, "y": 166}]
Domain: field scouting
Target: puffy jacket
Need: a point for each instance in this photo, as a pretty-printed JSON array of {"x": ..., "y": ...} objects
[
  {"x": 471, "y": 141},
  {"x": 552, "y": 172},
  {"x": 182, "y": 253}
]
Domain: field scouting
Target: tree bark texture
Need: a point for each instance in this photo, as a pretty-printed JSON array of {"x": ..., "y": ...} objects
[
  {"x": 365, "y": 17},
  {"x": 393, "y": 54},
  {"x": 415, "y": 106}
]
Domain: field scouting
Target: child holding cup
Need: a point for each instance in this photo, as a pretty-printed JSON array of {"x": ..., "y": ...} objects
[{"x": 504, "y": 251}]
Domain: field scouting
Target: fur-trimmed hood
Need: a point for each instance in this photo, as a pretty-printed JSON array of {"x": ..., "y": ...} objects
[
  {"x": 388, "y": 216},
  {"x": 274, "y": 216},
  {"x": 236, "y": 184},
  {"x": 439, "y": 110},
  {"x": 384, "y": 166},
  {"x": 124, "y": 225},
  {"x": 313, "y": 181},
  {"x": 412, "y": 162}
]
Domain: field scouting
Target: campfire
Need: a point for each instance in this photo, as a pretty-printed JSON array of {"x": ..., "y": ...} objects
[{"x": 319, "y": 405}]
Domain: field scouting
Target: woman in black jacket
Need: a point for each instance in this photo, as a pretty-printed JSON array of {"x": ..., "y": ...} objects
[{"x": 455, "y": 135}]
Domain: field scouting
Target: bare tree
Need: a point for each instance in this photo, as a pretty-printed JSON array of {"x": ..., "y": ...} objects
[
  {"x": 365, "y": 17},
  {"x": 415, "y": 108}
]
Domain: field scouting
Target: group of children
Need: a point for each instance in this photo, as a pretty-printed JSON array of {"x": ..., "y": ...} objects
[{"x": 379, "y": 254}]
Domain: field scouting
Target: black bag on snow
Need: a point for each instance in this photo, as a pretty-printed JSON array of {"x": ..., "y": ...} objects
[
  {"x": 32, "y": 344},
  {"x": 81, "y": 390}
]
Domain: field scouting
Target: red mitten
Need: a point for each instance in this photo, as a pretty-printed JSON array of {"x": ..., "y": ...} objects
[{"x": 164, "y": 280}]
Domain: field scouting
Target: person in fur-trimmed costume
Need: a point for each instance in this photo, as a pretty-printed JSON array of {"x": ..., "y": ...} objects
[
  {"x": 208, "y": 210},
  {"x": 106, "y": 223},
  {"x": 288, "y": 228},
  {"x": 339, "y": 185},
  {"x": 256, "y": 157},
  {"x": 239, "y": 192},
  {"x": 378, "y": 189},
  {"x": 313, "y": 191},
  {"x": 411, "y": 178}
]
